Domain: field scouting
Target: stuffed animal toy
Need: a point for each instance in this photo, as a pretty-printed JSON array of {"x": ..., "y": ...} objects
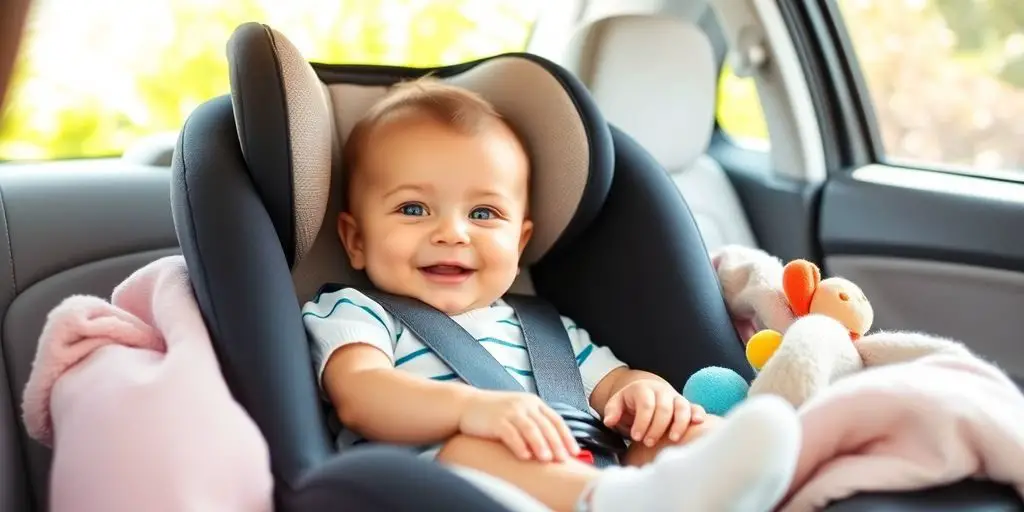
[
  {"x": 808, "y": 294},
  {"x": 817, "y": 348}
]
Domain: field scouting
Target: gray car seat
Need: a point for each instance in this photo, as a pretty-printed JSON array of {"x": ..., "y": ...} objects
[
  {"x": 655, "y": 77},
  {"x": 254, "y": 194}
]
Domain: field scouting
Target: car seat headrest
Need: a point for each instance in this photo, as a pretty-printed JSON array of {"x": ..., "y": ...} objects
[
  {"x": 654, "y": 77},
  {"x": 292, "y": 118}
]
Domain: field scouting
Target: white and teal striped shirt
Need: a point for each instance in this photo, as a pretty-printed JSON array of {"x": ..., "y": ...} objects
[{"x": 346, "y": 316}]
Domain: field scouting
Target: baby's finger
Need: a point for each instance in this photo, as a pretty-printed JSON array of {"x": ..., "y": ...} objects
[
  {"x": 697, "y": 414},
  {"x": 643, "y": 402},
  {"x": 664, "y": 412},
  {"x": 681, "y": 421},
  {"x": 613, "y": 410},
  {"x": 510, "y": 435},
  {"x": 563, "y": 430},
  {"x": 551, "y": 435},
  {"x": 534, "y": 437}
]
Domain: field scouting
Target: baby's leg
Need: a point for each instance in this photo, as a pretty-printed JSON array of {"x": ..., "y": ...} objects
[
  {"x": 556, "y": 485},
  {"x": 745, "y": 466}
]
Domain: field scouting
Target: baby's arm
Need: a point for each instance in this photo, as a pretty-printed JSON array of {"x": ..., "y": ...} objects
[
  {"x": 384, "y": 404},
  {"x": 603, "y": 373},
  {"x": 352, "y": 341},
  {"x": 638, "y": 402}
]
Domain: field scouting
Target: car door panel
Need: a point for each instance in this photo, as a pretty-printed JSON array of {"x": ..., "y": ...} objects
[
  {"x": 62, "y": 215},
  {"x": 934, "y": 252}
]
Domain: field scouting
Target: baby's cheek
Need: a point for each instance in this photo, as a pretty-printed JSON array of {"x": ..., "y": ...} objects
[
  {"x": 385, "y": 257},
  {"x": 505, "y": 250},
  {"x": 396, "y": 245}
]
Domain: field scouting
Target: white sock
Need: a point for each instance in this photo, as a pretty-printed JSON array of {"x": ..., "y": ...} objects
[{"x": 745, "y": 465}]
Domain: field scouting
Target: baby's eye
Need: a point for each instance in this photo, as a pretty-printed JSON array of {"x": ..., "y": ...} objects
[
  {"x": 483, "y": 213},
  {"x": 413, "y": 210}
]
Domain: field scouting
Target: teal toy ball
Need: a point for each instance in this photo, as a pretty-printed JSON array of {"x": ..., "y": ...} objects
[{"x": 716, "y": 389}]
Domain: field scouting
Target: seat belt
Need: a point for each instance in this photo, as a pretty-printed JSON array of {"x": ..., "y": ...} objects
[
  {"x": 449, "y": 341},
  {"x": 552, "y": 359},
  {"x": 553, "y": 362}
]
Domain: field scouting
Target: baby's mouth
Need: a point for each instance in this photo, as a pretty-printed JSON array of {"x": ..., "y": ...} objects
[{"x": 446, "y": 270}]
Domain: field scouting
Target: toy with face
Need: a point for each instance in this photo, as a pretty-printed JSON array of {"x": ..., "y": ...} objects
[
  {"x": 809, "y": 294},
  {"x": 834, "y": 297}
]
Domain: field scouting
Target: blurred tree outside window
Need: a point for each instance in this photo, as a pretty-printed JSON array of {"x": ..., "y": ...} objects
[
  {"x": 94, "y": 77},
  {"x": 945, "y": 78}
]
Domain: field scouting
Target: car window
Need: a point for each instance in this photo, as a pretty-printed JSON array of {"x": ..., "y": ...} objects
[
  {"x": 95, "y": 77},
  {"x": 946, "y": 80},
  {"x": 738, "y": 110}
]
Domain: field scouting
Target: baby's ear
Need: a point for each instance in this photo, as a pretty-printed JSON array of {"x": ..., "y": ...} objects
[
  {"x": 351, "y": 239},
  {"x": 524, "y": 236},
  {"x": 800, "y": 280}
]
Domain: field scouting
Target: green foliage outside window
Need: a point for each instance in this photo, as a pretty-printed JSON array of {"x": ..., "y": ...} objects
[
  {"x": 95, "y": 77},
  {"x": 945, "y": 77}
]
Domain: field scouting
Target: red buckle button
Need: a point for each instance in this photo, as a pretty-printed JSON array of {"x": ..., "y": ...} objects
[{"x": 586, "y": 456}]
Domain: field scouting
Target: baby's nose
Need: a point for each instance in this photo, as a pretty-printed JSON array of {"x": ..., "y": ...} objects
[{"x": 451, "y": 232}]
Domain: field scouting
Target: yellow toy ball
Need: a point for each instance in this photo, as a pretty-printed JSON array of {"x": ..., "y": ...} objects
[{"x": 762, "y": 346}]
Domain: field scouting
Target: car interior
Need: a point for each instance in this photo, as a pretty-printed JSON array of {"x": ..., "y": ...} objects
[{"x": 934, "y": 243}]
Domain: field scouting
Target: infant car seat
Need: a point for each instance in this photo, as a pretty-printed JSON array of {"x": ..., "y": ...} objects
[{"x": 255, "y": 194}]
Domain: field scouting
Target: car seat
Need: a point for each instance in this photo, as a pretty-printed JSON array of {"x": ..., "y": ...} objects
[{"x": 254, "y": 198}]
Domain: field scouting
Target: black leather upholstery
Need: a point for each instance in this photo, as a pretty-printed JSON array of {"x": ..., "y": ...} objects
[{"x": 637, "y": 277}]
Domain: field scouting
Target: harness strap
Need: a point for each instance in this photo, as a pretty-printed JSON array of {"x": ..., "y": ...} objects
[
  {"x": 449, "y": 341},
  {"x": 555, "y": 369}
]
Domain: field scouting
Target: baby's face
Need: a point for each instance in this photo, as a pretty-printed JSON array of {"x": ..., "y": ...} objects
[{"x": 439, "y": 215}]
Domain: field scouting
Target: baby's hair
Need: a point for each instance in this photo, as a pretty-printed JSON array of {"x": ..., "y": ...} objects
[{"x": 458, "y": 108}]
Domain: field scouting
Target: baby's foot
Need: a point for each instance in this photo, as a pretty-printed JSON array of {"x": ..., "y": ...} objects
[{"x": 745, "y": 465}]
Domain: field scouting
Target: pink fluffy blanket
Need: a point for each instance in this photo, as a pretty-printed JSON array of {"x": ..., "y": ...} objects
[
  {"x": 129, "y": 394},
  {"x": 916, "y": 411},
  {"x": 911, "y": 425}
]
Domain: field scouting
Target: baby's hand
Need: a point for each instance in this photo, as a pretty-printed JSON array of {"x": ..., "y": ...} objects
[
  {"x": 646, "y": 408},
  {"x": 523, "y": 422}
]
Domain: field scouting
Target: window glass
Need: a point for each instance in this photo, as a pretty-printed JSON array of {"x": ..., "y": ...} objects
[
  {"x": 96, "y": 76},
  {"x": 946, "y": 78},
  {"x": 739, "y": 110}
]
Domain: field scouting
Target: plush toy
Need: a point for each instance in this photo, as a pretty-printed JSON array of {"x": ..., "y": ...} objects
[
  {"x": 807, "y": 294},
  {"x": 828, "y": 315}
]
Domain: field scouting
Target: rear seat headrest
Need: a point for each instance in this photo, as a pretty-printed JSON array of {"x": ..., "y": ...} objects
[
  {"x": 652, "y": 76},
  {"x": 292, "y": 118}
]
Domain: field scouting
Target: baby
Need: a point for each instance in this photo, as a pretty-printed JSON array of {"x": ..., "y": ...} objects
[{"x": 438, "y": 210}]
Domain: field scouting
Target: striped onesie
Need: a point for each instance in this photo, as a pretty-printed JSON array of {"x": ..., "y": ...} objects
[{"x": 346, "y": 316}]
